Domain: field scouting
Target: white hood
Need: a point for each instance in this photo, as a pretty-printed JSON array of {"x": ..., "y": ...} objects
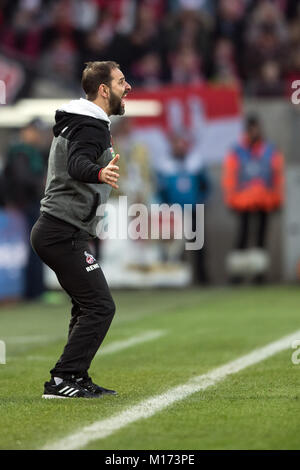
[{"x": 85, "y": 107}]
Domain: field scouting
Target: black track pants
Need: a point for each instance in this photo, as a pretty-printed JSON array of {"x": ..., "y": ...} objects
[
  {"x": 260, "y": 221},
  {"x": 65, "y": 249}
]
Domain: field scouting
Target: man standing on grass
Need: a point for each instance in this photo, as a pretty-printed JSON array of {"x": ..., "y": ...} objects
[{"x": 82, "y": 169}]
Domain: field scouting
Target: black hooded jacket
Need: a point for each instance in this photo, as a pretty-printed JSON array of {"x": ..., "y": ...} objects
[
  {"x": 88, "y": 138},
  {"x": 80, "y": 148}
]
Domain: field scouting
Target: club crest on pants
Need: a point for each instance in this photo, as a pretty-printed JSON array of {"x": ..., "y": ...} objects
[{"x": 89, "y": 258}]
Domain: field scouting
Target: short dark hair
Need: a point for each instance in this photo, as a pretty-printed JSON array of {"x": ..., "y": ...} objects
[
  {"x": 252, "y": 120},
  {"x": 96, "y": 73}
]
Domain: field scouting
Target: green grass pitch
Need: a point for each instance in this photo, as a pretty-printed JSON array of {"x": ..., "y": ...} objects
[{"x": 257, "y": 408}]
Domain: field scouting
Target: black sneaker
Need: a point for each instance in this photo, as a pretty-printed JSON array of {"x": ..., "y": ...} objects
[
  {"x": 67, "y": 389},
  {"x": 86, "y": 382}
]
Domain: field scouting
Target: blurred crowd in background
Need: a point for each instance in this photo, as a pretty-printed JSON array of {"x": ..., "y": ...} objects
[
  {"x": 254, "y": 43},
  {"x": 250, "y": 45},
  {"x": 252, "y": 182}
]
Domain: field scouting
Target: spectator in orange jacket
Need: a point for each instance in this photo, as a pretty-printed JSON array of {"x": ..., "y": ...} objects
[{"x": 253, "y": 182}]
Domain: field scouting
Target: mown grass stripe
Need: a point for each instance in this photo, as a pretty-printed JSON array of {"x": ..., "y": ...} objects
[{"x": 114, "y": 346}]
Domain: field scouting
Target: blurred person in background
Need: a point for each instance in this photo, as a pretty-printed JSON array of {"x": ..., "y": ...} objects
[
  {"x": 224, "y": 63},
  {"x": 59, "y": 62},
  {"x": 188, "y": 27},
  {"x": 21, "y": 34},
  {"x": 269, "y": 82},
  {"x": 23, "y": 180},
  {"x": 187, "y": 43},
  {"x": 62, "y": 41},
  {"x": 293, "y": 67},
  {"x": 253, "y": 184},
  {"x": 181, "y": 181},
  {"x": 230, "y": 24},
  {"x": 98, "y": 37},
  {"x": 148, "y": 71},
  {"x": 136, "y": 178},
  {"x": 186, "y": 67},
  {"x": 145, "y": 36},
  {"x": 266, "y": 49},
  {"x": 137, "y": 183}
]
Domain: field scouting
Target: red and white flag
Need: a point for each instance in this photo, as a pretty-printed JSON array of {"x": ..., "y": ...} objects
[{"x": 209, "y": 115}]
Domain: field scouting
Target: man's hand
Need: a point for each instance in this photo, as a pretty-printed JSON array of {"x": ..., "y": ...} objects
[{"x": 109, "y": 173}]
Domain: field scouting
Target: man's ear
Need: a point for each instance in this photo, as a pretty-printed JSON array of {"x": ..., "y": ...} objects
[{"x": 103, "y": 90}]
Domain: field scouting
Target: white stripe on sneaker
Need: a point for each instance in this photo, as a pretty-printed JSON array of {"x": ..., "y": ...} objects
[
  {"x": 73, "y": 393},
  {"x": 63, "y": 389}
]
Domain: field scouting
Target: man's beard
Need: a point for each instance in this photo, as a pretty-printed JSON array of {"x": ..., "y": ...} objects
[{"x": 115, "y": 105}]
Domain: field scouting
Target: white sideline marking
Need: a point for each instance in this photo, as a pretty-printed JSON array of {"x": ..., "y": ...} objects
[
  {"x": 146, "y": 408},
  {"x": 116, "y": 346},
  {"x": 31, "y": 339}
]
